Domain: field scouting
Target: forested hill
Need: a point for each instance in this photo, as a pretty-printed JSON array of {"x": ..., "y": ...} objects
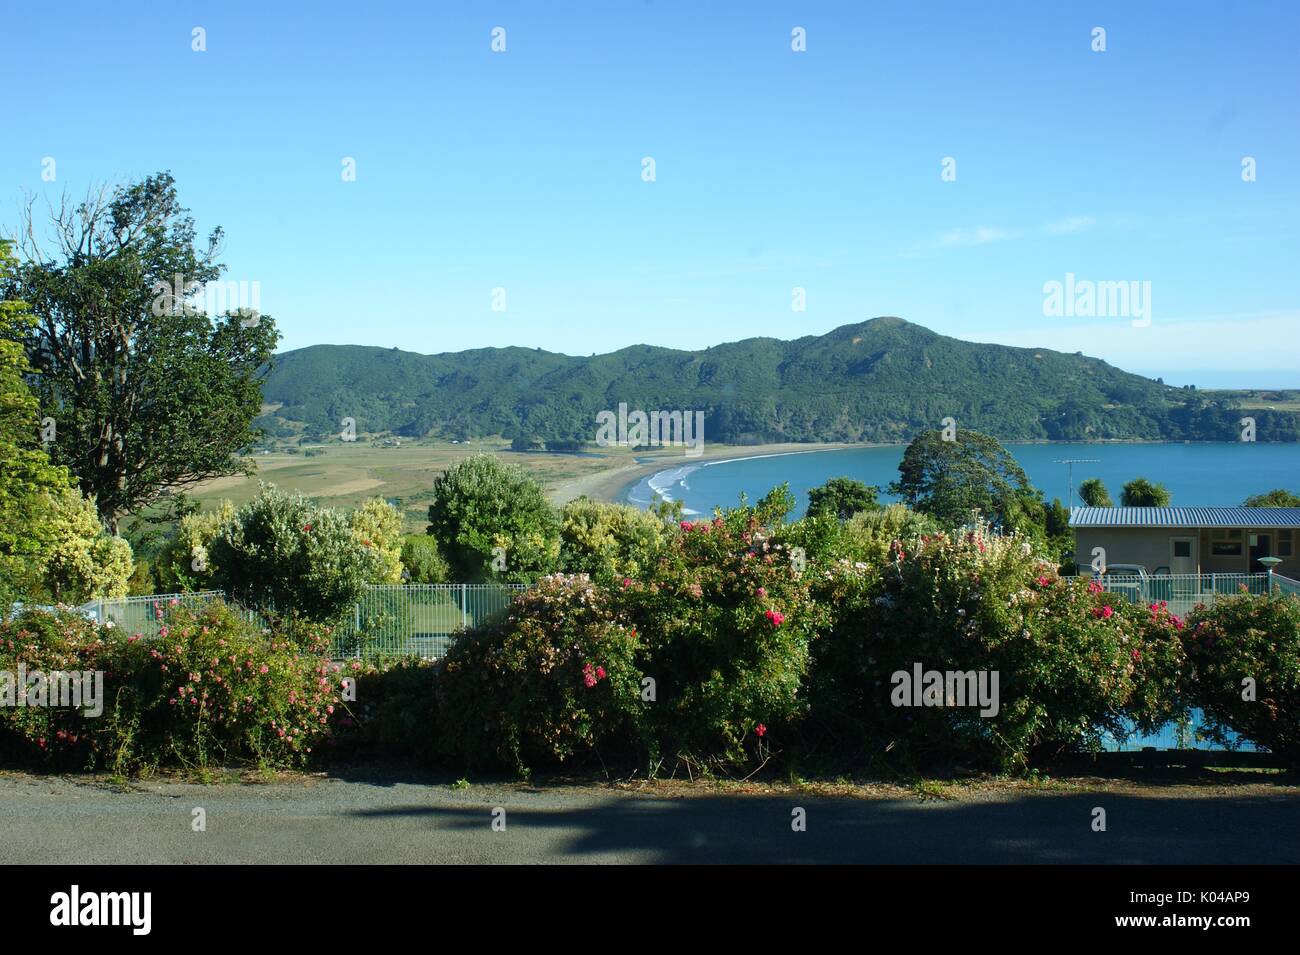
[{"x": 880, "y": 380}]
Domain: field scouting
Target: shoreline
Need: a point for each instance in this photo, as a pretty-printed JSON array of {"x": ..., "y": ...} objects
[{"x": 607, "y": 487}]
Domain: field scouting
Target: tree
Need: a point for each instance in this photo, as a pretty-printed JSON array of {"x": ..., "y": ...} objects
[
  {"x": 147, "y": 392},
  {"x": 950, "y": 479},
  {"x": 1140, "y": 492},
  {"x": 1274, "y": 498},
  {"x": 1094, "y": 494},
  {"x": 492, "y": 521},
  {"x": 28, "y": 481},
  {"x": 842, "y": 497}
]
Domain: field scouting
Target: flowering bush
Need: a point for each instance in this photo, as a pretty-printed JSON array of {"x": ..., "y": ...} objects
[
  {"x": 553, "y": 679},
  {"x": 972, "y": 601},
  {"x": 1245, "y": 637},
  {"x": 394, "y": 715},
  {"x": 726, "y": 619},
  {"x": 210, "y": 688}
]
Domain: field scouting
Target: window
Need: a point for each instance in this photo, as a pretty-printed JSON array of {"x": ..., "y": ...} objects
[
  {"x": 1285, "y": 543},
  {"x": 1182, "y": 548},
  {"x": 1225, "y": 542}
]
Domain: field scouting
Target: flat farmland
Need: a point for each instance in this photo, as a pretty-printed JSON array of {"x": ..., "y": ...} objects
[{"x": 346, "y": 474}]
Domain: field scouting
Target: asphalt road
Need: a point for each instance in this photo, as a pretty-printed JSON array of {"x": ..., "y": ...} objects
[{"x": 332, "y": 820}]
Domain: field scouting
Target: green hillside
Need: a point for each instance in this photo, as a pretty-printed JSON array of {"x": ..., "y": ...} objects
[{"x": 880, "y": 380}]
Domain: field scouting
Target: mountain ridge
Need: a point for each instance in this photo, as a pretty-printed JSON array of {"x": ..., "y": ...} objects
[{"x": 883, "y": 379}]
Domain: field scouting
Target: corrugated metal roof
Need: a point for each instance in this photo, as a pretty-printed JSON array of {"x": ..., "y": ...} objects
[{"x": 1185, "y": 517}]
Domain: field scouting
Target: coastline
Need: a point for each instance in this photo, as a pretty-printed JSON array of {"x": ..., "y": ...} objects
[{"x": 608, "y": 486}]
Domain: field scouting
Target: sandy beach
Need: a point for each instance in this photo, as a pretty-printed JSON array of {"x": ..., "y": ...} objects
[{"x": 607, "y": 485}]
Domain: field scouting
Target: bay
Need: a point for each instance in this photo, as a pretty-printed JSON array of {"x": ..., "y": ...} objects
[{"x": 1202, "y": 474}]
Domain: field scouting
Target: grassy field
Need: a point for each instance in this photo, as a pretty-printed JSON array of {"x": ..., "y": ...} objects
[{"x": 345, "y": 474}]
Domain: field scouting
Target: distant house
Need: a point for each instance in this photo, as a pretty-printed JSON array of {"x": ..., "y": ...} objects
[{"x": 1189, "y": 540}]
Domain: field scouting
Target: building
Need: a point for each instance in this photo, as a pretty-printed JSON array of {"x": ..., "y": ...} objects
[{"x": 1189, "y": 540}]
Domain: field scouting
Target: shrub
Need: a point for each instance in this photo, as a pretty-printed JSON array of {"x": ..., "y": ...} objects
[
  {"x": 972, "y": 601},
  {"x": 553, "y": 680},
  {"x": 82, "y": 562},
  {"x": 211, "y": 688},
  {"x": 185, "y": 562},
  {"x": 726, "y": 620},
  {"x": 394, "y": 716},
  {"x": 609, "y": 541},
  {"x": 1244, "y": 637},
  {"x": 283, "y": 552},
  {"x": 422, "y": 561},
  {"x": 481, "y": 504},
  {"x": 377, "y": 526}
]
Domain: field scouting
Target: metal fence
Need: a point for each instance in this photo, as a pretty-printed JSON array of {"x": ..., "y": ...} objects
[
  {"x": 388, "y": 620},
  {"x": 1182, "y": 592}
]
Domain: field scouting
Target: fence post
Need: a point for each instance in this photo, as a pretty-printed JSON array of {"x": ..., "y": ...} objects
[{"x": 464, "y": 607}]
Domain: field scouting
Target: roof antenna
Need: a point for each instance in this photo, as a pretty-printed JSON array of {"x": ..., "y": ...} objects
[{"x": 1069, "y": 471}]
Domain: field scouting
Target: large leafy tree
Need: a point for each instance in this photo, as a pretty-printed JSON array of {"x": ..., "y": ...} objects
[
  {"x": 843, "y": 497},
  {"x": 951, "y": 479},
  {"x": 1140, "y": 492},
  {"x": 492, "y": 521},
  {"x": 148, "y": 393}
]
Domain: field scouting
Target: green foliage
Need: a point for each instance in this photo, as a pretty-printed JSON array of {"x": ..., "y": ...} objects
[
  {"x": 1093, "y": 493},
  {"x": 970, "y": 477},
  {"x": 842, "y": 497},
  {"x": 1140, "y": 492},
  {"x": 552, "y": 681},
  {"x": 284, "y": 553},
  {"x": 29, "y": 483},
  {"x": 481, "y": 504},
  {"x": 146, "y": 396},
  {"x": 971, "y": 601},
  {"x": 209, "y": 690},
  {"x": 422, "y": 562},
  {"x": 1278, "y": 497},
  {"x": 883, "y": 380},
  {"x": 609, "y": 541},
  {"x": 185, "y": 560},
  {"x": 81, "y": 562},
  {"x": 726, "y": 620},
  {"x": 1240, "y": 638},
  {"x": 398, "y": 718},
  {"x": 377, "y": 526}
]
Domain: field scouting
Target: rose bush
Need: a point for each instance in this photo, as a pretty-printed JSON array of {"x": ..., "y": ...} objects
[
  {"x": 552, "y": 680},
  {"x": 209, "y": 689},
  {"x": 1240, "y": 638}
]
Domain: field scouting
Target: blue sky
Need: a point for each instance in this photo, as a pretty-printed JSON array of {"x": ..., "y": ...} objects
[{"x": 774, "y": 169}]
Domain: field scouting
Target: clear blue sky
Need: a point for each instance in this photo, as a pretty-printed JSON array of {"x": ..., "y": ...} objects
[{"x": 775, "y": 169}]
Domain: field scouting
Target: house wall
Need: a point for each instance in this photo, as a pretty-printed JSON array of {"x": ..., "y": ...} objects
[{"x": 1150, "y": 547}]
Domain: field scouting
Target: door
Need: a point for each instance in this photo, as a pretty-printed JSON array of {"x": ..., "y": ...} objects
[
  {"x": 1261, "y": 545},
  {"x": 1182, "y": 555}
]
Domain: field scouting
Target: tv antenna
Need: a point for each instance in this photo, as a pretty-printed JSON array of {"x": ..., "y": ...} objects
[{"x": 1069, "y": 471}]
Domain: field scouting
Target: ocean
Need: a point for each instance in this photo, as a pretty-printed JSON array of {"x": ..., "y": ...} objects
[{"x": 1207, "y": 475}]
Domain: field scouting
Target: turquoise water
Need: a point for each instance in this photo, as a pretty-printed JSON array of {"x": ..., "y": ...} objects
[{"x": 1207, "y": 475}]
